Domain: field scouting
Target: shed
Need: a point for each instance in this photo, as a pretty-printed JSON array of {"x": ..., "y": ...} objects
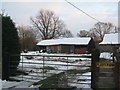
[
  {"x": 68, "y": 45},
  {"x": 110, "y": 41}
]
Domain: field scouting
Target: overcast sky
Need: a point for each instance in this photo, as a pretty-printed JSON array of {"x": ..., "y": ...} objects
[{"x": 104, "y": 11}]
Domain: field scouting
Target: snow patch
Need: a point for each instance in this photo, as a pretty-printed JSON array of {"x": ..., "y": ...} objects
[{"x": 106, "y": 55}]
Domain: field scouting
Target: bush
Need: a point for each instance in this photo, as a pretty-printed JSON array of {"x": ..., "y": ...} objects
[{"x": 10, "y": 46}]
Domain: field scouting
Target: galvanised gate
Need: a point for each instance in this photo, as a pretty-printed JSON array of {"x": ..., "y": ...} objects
[{"x": 55, "y": 71}]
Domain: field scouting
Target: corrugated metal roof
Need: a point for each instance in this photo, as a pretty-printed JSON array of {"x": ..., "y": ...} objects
[
  {"x": 113, "y": 38},
  {"x": 68, "y": 41}
]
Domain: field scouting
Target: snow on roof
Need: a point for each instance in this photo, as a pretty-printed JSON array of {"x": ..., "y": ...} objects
[
  {"x": 70, "y": 41},
  {"x": 111, "y": 38}
]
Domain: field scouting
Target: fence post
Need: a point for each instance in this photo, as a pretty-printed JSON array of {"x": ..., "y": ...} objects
[{"x": 95, "y": 58}]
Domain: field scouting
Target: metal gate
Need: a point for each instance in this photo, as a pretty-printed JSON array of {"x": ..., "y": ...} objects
[{"x": 54, "y": 71}]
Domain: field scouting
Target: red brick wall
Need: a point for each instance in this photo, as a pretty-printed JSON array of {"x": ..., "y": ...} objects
[{"x": 80, "y": 51}]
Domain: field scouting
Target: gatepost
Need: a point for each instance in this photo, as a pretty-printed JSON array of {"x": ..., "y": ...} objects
[
  {"x": 95, "y": 58},
  {"x": 117, "y": 55}
]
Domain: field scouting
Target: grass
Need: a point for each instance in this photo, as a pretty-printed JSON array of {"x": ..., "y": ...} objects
[
  {"x": 47, "y": 68},
  {"x": 105, "y": 60},
  {"x": 74, "y": 71}
]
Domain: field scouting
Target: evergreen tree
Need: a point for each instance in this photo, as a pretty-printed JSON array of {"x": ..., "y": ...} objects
[{"x": 10, "y": 46}]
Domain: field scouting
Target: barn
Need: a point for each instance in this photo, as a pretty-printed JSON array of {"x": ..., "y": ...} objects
[
  {"x": 68, "y": 45},
  {"x": 110, "y": 41}
]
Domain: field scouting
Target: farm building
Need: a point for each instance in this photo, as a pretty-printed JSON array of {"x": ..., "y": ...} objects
[
  {"x": 68, "y": 45},
  {"x": 110, "y": 41}
]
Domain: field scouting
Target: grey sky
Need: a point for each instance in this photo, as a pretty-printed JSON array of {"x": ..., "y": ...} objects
[{"x": 74, "y": 19}]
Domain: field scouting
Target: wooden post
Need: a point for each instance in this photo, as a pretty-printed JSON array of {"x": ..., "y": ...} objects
[
  {"x": 117, "y": 68},
  {"x": 95, "y": 58}
]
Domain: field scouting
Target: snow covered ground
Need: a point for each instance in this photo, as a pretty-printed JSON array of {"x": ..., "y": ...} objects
[
  {"x": 85, "y": 84},
  {"x": 17, "y": 85},
  {"x": 59, "y": 64}
]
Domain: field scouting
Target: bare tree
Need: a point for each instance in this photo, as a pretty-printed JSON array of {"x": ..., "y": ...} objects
[
  {"x": 83, "y": 33},
  {"x": 27, "y": 38},
  {"x": 49, "y": 25},
  {"x": 100, "y": 29},
  {"x": 67, "y": 34}
]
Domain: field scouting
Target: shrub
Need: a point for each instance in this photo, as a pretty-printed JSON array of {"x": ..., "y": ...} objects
[{"x": 10, "y": 46}]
